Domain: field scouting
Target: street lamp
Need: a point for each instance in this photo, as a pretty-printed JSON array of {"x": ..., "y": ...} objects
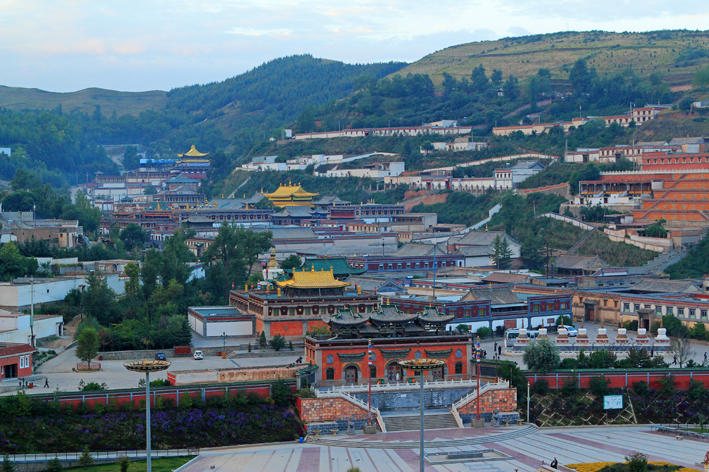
[
  {"x": 223, "y": 344},
  {"x": 420, "y": 366},
  {"x": 147, "y": 367}
]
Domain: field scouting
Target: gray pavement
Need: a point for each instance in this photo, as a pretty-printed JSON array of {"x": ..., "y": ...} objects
[{"x": 522, "y": 453}]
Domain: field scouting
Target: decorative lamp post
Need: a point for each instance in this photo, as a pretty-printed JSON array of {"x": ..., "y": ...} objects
[
  {"x": 478, "y": 352},
  {"x": 420, "y": 366},
  {"x": 147, "y": 367}
]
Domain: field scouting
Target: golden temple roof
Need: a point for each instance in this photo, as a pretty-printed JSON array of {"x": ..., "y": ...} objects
[
  {"x": 193, "y": 152},
  {"x": 285, "y": 191},
  {"x": 313, "y": 279}
]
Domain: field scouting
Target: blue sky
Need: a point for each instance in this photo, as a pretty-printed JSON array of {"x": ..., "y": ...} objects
[{"x": 65, "y": 45}]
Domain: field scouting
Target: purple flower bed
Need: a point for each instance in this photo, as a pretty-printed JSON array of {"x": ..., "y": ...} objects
[{"x": 70, "y": 430}]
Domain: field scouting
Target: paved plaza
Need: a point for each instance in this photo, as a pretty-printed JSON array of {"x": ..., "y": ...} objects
[{"x": 525, "y": 448}]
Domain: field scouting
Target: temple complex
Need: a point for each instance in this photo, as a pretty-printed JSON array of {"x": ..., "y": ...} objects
[
  {"x": 343, "y": 356},
  {"x": 193, "y": 163},
  {"x": 290, "y": 195},
  {"x": 296, "y": 305}
]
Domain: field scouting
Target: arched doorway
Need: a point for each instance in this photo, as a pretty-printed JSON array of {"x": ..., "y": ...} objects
[
  {"x": 394, "y": 372},
  {"x": 351, "y": 374}
]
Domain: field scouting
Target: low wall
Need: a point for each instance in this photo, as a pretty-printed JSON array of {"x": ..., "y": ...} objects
[
  {"x": 248, "y": 374},
  {"x": 330, "y": 414},
  {"x": 569, "y": 220},
  {"x": 623, "y": 378},
  {"x": 501, "y": 400},
  {"x": 651, "y": 244},
  {"x": 207, "y": 351}
]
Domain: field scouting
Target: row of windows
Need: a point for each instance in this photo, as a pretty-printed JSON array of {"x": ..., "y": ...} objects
[
  {"x": 544, "y": 306},
  {"x": 24, "y": 362},
  {"x": 330, "y": 371},
  {"x": 414, "y": 265},
  {"x": 683, "y": 312}
]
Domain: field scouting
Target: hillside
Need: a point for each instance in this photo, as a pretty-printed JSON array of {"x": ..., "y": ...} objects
[
  {"x": 674, "y": 55},
  {"x": 86, "y": 101}
]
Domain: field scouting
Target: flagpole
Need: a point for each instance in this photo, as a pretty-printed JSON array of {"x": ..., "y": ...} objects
[{"x": 369, "y": 357}]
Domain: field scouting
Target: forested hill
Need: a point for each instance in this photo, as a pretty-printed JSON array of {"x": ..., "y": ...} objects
[
  {"x": 59, "y": 133},
  {"x": 673, "y": 55}
]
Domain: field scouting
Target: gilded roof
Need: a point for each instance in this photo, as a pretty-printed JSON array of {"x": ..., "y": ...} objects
[
  {"x": 286, "y": 191},
  {"x": 193, "y": 152},
  {"x": 313, "y": 279}
]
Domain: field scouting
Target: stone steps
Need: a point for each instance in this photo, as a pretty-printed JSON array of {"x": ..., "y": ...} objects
[{"x": 413, "y": 422}]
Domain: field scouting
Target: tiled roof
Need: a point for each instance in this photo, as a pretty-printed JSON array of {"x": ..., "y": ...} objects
[{"x": 10, "y": 349}]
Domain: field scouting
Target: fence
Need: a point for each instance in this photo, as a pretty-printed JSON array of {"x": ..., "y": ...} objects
[
  {"x": 622, "y": 378},
  {"x": 101, "y": 456},
  {"x": 136, "y": 397}
]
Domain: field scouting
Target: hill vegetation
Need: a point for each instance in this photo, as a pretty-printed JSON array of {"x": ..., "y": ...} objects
[
  {"x": 674, "y": 55},
  {"x": 694, "y": 265}
]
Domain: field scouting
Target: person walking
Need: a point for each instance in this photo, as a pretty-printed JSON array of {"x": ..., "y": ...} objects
[
  {"x": 46, "y": 382},
  {"x": 499, "y": 351},
  {"x": 674, "y": 360},
  {"x": 705, "y": 358}
]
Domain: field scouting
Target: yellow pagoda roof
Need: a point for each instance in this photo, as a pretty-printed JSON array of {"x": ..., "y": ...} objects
[
  {"x": 313, "y": 279},
  {"x": 285, "y": 191},
  {"x": 193, "y": 152}
]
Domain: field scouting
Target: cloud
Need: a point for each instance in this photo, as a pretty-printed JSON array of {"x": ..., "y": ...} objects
[{"x": 256, "y": 32}]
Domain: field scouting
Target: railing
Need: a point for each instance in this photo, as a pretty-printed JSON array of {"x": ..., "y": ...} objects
[
  {"x": 383, "y": 387},
  {"x": 101, "y": 455},
  {"x": 474, "y": 394},
  {"x": 456, "y": 417},
  {"x": 355, "y": 401}
]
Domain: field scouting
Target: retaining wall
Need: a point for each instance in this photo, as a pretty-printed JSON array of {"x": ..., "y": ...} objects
[{"x": 623, "y": 378}]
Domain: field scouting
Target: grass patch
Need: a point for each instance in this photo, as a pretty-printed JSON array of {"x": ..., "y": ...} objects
[
  {"x": 163, "y": 464},
  {"x": 615, "y": 253}
]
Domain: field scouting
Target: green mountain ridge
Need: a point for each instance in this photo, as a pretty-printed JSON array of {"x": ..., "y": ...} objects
[{"x": 674, "y": 55}]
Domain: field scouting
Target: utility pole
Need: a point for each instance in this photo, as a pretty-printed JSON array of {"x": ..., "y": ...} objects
[
  {"x": 32, "y": 312},
  {"x": 435, "y": 265},
  {"x": 527, "y": 402}
]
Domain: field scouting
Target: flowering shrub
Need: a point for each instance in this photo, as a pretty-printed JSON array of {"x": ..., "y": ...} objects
[
  {"x": 237, "y": 421},
  {"x": 623, "y": 466}
]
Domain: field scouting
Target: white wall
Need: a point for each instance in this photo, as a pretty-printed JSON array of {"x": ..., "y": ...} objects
[
  {"x": 231, "y": 328},
  {"x": 196, "y": 324},
  {"x": 43, "y": 328}
]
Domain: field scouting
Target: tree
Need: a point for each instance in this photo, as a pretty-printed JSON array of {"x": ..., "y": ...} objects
[
  {"x": 291, "y": 262},
  {"x": 99, "y": 300},
  {"x": 701, "y": 78},
  {"x": 501, "y": 253},
  {"x": 479, "y": 80},
  {"x": 14, "y": 264},
  {"x": 7, "y": 465},
  {"x": 262, "y": 342},
  {"x": 54, "y": 465},
  {"x": 277, "y": 342},
  {"x": 496, "y": 78},
  {"x": 657, "y": 229},
  {"x": 511, "y": 87},
  {"x": 637, "y": 462},
  {"x": 130, "y": 158},
  {"x": 542, "y": 356},
  {"x": 133, "y": 236},
  {"x": 87, "y": 345},
  {"x": 85, "y": 459},
  {"x": 132, "y": 270},
  {"x": 682, "y": 348},
  {"x": 581, "y": 77}
]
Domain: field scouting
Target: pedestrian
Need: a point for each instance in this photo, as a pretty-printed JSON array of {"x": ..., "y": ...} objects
[
  {"x": 674, "y": 360},
  {"x": 652, "y": 352},
  {"x": 705, "y": 358},
  {"x": 46, "y": 382},
  {"x": 398, "y": 376},
  {"x": 499, "y": 351},
  {"x": 554, "y": 463},
  {"x": 495, "y": 348}
]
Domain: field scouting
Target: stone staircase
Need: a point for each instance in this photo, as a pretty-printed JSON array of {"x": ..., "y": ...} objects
[{"x": 442, "y": 420}]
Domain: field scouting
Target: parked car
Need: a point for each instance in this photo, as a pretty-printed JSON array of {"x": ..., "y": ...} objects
[
  {"x": 160, "y": 356},
  {"x": 198, "y": 356},
  {"x": 573, "y": 332}
]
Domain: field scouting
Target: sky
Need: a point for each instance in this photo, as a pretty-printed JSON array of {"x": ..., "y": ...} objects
[{"x": 67, "y": 45}]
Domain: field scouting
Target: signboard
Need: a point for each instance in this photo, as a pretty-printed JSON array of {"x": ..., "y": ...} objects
[{"x": 612, "y": 402}]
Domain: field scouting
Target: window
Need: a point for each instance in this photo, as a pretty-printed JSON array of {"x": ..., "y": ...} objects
[
  {"x": 373, "y": 371},
  {"x": 692, "y": 312},
  {"x": 670, "y": 310},
  {"x": 458, "y": 354},
  {"x": 626, "y": 306},
  {"x": 637, "y": 307},
  {"x": 458, "y": 367},
  {"x": 329, "y": 373},
  {"x": 704, "y": 313},
  {"x": 330, "y": 359}
]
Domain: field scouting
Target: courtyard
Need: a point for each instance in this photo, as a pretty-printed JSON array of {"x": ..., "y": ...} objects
[{"x": 519, "y": 448}]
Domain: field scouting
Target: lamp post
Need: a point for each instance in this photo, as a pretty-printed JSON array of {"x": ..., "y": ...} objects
[
  {"x": 527, "y": 402},
  {"x": 147, "y": 367},
  {"x": 478, "y": 352},
  {"x": 223, "y": 343},
  {"x": 420, "y": 366}
]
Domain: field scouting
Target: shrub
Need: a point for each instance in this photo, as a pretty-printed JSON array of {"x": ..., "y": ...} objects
[
  {"x": 54, "y": 465},
  {"x": 93, "y": 387},
  {"x": 569, "y": 363},
  {"x": 7, "y": 465},
  {"x": 123, "y": 463},
  {"x": 281, "y": 393},
  {"x": 542, "y": 355},
  {"x": 277, "y": 342},
  {"x": 641, "y": 389},
  {"x": 566, "y": 320},
  {"x": 85, "y": 459},
  {"x": 631, "y": 325},
  {"x": 601, "y": 359},
  {"x": 599, "y": 386},
  {"x": 483, "y": 332},
  {"x": 186, "y": 401},
  {"x": 637, "y": 462},
  {"x": 569, "y": 389},
  {"x": 541, "y": 387},
  {"x": 262, "y": 342}
]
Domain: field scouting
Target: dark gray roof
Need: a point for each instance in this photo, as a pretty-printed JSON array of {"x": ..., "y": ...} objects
[
  {"x": 665, "y": 285},
  {"x": 496, "y": 295},
  {"x": 419, "y": 249},
  {"x": 575, "y": 262},
  {"x": 391, "y": 314},
  {"x": 346, "y": 317}
]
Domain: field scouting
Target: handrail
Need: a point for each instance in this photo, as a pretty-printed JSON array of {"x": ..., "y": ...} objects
[
  {"x": 395, "y": 386},
  {"x": 356, "y": 401},
  {"x": 474, "y": 394},
  {"x": 456, "y": 416}
]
